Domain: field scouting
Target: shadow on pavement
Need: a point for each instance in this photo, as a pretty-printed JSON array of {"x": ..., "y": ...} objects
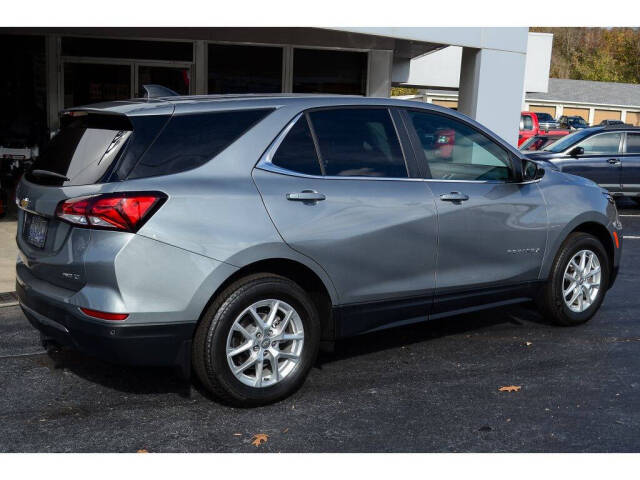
[{"x": 430, "y": 330}]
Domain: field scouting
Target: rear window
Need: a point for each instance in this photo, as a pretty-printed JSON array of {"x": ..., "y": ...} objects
[
  {"x": 189, "y": 141},
  {"x": 83, "y": 150},
  {"x": 544, "y": 117}
]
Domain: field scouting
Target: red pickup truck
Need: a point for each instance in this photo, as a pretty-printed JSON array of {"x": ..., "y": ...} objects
[{"x": 533, "y": 123}]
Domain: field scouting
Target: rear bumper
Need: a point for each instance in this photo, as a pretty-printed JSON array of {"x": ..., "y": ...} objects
[{"x": 166, "y": 344}]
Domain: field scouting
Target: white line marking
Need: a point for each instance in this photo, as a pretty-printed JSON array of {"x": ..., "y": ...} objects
[
  {"x": 629, "y": 215},
  {"x": 631, "y": 237},
  {"x": 15, "y": 355}
]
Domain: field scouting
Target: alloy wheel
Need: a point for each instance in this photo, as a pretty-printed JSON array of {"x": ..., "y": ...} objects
[
  {"x": 581, "y": 281},
  {"x": 265, "y": 343}
]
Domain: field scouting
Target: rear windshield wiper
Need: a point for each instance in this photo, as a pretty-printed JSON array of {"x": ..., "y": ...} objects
[{"x": 48, "y": 173}]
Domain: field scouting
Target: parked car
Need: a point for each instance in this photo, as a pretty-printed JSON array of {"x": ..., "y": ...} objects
[
  {"x": 611, "y": 123},
  {"x": 573, "y": 122},
  {"x": 538, "y": 142},
  {"x": 235, "y": 234},
  {"x": 532, "y": 125},
  {"x": 546, "y": 121},
  {"x": 608, "y": 155}
]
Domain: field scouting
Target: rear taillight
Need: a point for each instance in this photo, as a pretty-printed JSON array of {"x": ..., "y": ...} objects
[{"x": 120, "y": 211}]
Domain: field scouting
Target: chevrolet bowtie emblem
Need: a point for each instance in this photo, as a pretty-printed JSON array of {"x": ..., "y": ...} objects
[{"x": 24, "y": 203}]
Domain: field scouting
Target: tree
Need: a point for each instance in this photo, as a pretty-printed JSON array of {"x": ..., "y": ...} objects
[{"x": 600, "y": 54}]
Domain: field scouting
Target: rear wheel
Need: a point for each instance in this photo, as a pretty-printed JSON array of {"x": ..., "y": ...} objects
[
  {"x": 578, "y": 281},
  {"x": 257, "y": 341}
]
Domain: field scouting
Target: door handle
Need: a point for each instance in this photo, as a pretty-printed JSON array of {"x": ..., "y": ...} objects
[
  {"x": 613, "y": 161},
  {"x": 306, "y": 196},
  {"x": 454, "y": 197}
]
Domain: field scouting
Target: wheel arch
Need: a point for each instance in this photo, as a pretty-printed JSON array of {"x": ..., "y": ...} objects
[
  {"x": 310, "y": 281},
  {"x": 591, "y": 226}
]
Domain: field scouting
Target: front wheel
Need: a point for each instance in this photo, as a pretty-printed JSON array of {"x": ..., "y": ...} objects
[
  {"x": 257, "y": 341},
  {"x": 578, "y": 281}
]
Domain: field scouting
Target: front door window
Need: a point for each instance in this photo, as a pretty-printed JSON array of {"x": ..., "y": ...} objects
[
  {"x": 603, "y": 144},
  {"x": 455, "y": 151}
]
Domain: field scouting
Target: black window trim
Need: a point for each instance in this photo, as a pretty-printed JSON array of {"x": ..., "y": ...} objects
[
  {"x": 265, "y": 162},
  {"x": 515, "y": 173}
]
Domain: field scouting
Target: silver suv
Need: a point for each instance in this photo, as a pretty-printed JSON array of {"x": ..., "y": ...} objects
[{"x": 235, "y": 234}]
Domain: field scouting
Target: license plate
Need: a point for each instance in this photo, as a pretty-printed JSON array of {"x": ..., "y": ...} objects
[{"x": 35, "y": 230}]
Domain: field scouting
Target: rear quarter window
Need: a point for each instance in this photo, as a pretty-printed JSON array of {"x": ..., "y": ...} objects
[{"x": 191, "y": 140}]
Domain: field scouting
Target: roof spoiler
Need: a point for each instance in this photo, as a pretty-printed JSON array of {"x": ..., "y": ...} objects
[{"x": 155, "y": 91}]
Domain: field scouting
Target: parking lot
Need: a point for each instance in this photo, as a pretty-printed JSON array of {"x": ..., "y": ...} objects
[{"x": 430, "y": 387}]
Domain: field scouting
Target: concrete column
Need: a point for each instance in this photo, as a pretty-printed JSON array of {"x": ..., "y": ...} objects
[
  {"x": 592, "y": 115},
  {"x": 492, "y": 89},
  {"x": 379, "y": 73},
  {"x": 623, "y": 116},
  {"x": 201, "y": 68},
  {"x": 54, "y": 87}
]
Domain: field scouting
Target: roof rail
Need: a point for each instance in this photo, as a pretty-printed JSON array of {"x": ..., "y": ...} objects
[
  {"x": 155, "y": 91},
  {"x": 620, "y": 126}
]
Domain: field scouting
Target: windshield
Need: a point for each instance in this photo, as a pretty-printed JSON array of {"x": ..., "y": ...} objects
[
  {"x": 544, "y": 117},
  {"x": 577, "y": 122},
  {"x": 538, "y": 143},
  {"x": 566, "y": 142}
]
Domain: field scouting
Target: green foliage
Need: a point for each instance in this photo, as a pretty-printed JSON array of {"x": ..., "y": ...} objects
[
  {"x": 397, "y": 91},
  {"x": 600, "y": 54}
]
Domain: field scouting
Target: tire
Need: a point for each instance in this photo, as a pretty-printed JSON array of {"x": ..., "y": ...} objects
[
  {"x": 232, "y": 309},
  {"x": 551, "y": 302}
]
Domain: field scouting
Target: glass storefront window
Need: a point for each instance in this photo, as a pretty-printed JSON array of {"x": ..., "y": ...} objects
[
  {"x": 177, "y": 79},
  {"x": 86, "y": 83},
  {"x": 245, "y": 69},
  {"x": 329, "y": 71},
  {"x": 123, "y": 48}
]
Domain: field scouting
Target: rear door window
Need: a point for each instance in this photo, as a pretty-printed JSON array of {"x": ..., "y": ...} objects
[
  {"x": 358, "y": 142},
  {"x": 191, "y": 140},
  {"x": 83, "y": 150},
  {"x": 297, "y": 151},
  {"x": 633, "y": 143}
]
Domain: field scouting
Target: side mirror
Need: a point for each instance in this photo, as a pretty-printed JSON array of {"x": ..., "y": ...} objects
[
  {"x": 531, "y": 171},
  {"x": 576, "y": 152}
]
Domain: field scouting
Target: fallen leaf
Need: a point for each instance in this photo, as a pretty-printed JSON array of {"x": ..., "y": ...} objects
[
  {"x": 510, "y": 388},
  {"x": 142, "y": 450},
  {"x": 285, "y": 430},
  {"x": 528, "y": 344},
  {"x": 258, "y": 439},
  {"x": 237, "y": 434}
]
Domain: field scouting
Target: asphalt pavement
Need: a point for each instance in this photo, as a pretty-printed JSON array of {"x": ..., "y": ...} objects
[{"x": 424, "y": 388}]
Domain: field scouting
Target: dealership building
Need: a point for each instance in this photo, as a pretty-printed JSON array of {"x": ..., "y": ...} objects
[
  {"x": 49, "y": 69},
  {"x": 46, "y": 70}
]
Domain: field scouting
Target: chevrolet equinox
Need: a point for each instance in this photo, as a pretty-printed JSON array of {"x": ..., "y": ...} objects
[{"x": 234, "y": 234}]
